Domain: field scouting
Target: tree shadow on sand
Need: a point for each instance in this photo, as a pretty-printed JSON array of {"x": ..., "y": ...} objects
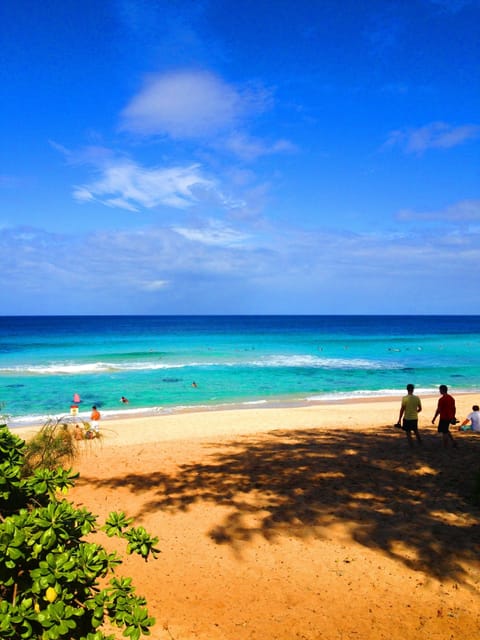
[{"x": 414, "y": 505}]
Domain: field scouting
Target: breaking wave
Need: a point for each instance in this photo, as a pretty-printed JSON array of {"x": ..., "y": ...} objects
[{"x": 272, "y": 361}]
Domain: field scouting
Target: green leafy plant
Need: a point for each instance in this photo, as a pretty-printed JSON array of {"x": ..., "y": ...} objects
[{"x": 54, "y": 583}]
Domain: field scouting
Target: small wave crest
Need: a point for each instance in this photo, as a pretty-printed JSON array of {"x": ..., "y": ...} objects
[
  {"x": 269, "y": 361},
  {"x": 61, "y": 368},
  {"x": 365, "y": 393},
  {"x": 318, "y": 362}
]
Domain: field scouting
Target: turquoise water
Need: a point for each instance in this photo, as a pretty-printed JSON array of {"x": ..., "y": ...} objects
[{"x": 239, "y": 361}]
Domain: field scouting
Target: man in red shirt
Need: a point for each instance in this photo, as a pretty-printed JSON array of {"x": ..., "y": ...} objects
[{"x": 446, "y": 410}]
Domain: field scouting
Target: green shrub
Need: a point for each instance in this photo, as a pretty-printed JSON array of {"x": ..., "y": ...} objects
[{"x": 54, "y": 584}]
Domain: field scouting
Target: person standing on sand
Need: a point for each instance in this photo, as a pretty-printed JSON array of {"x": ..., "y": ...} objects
[
  {"x": 94, "y": 420},
  {"x": 446, "y": 410},
  {"x": 409, "y": 410}
]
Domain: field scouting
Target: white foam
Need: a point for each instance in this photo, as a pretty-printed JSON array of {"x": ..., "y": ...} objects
[
  {"x": 294, "y": 361},
  {"x": 62, "y": 368},
  {"x": 352, "y": 395},
  {"x": 318, "y": 362}
]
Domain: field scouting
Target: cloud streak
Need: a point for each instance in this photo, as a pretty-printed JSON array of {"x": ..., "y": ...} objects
[
  {"x": 461, "y": 212},
  {"x": 214, "y": 233},
  {"x": 249, "y": 148},
  {"x": 436, "y": 135},
  {"x": 125, "y": 184},
  {"x": 188, "y": 265}
]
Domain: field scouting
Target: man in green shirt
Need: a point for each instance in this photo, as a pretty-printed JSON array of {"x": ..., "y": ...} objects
[{"x": 409, "y": 410}]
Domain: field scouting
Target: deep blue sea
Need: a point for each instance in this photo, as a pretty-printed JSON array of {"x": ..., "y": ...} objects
[{"x": 234, "y": 361}]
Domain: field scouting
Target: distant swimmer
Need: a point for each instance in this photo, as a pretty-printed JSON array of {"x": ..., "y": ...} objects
[
  {"x": 194, "y": 384},
  {"x": 124, "y": 400},
  {"x": 76, "y": 398}
]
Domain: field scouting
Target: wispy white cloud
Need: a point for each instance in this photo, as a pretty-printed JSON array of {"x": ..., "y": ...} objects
[
  {"x": 436, "y": 135},
  {"x": 121, "y": 182},
  {"x": 188, "y": 267},
  {"x": 189, "y": 104},
  {"x": 95, "y": 155},
  {"x": 249, "y": 148},
  {"x": 127, "y": 185},
  {"x": 215, "y": 232},
  {"x": 460, "y": 212},
  {"x": 154, "y": 285}
]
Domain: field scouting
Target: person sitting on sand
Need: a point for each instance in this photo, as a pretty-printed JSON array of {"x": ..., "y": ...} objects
[
  {"x": 409, "y": 410},
  {"x": 474, "y": 419},
  {"x": 78, "y": 433}
]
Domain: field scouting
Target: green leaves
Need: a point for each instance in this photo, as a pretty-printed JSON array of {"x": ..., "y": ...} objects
[
  {"x": 57, "y": 620},
  {"x": 50, "y": 574},
  {"x": 48, "y": 481},
  {"x": 138, "y": 623},
  {"x": 139, "y": 541},
  {"x": 11, "y": 460},
  {"x": 116, "y": 523}
]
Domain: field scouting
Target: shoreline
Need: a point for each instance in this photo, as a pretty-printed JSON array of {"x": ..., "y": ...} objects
[{"x": 359, "y": 413}]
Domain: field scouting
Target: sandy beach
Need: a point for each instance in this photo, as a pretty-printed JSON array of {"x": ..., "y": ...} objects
[{"x": 311, "y": 523}]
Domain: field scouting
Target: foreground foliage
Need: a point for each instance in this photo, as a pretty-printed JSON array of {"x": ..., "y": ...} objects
[{"x": 54, "y": 583}]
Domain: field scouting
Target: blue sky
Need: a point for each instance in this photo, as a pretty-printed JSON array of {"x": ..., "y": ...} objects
[{"x": 199, "y": 157}]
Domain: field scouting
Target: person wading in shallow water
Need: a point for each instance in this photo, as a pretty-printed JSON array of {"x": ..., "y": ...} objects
[
  {"x": 446, "y": 410},
  {"x": 409, "y": 410}
]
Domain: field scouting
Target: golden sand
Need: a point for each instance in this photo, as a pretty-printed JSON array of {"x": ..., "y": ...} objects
[{"x": 314, "y": 523}]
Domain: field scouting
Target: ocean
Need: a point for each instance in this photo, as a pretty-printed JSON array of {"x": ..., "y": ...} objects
[{"x": 164, "y": 364}]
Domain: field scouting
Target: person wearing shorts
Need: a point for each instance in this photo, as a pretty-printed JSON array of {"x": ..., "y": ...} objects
[
  {"x": 446, "y": 410},
  {"x": 409, "y": 410}
]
